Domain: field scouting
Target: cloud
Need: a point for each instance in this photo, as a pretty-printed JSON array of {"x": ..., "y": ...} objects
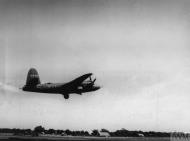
[{"x": 8, "y": 88}]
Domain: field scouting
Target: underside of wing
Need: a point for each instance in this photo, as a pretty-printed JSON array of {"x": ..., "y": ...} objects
[{"x": 79, "y": 80}]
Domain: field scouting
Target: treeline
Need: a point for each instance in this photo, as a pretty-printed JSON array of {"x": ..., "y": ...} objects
[
  {"x": 16, "y": 131},
  {"x": 126, "y": 133},
  {"x": 39, "y": 130}
]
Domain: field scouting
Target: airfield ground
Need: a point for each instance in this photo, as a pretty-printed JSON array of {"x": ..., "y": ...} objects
[{"x": 25, "y": 138}]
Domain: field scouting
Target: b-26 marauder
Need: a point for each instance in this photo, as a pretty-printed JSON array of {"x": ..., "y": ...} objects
[{"x": 77, "y": 86}]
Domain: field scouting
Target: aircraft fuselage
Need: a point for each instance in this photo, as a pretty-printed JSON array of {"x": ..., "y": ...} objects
[{"x": 60, "y": 88}]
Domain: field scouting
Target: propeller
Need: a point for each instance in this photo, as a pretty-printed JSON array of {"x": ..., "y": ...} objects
[
  {"x": 91, "y": 82},
  {"x": 94, "y": 80}
]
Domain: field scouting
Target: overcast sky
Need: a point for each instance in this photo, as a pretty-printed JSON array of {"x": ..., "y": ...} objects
[{"x": 137, "y": 49}]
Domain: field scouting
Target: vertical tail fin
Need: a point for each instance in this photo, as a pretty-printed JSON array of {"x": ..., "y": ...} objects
[{"x": 33, "y": 78}]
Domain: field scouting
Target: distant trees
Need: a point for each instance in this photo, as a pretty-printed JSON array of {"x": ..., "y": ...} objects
[
  {"x": 125, "y": 133},
  {"x": 16, "y": 131},
  {"x": 68, "y": 132},
  {"x": 104, "y": 130},
  {"x": 118, "y": 133},
  {"x": 77, "y": 133},
  {"x": 39, "y": 129},
  {"x": 95, "y": 133},
  {"x": 50, "y": 131}
]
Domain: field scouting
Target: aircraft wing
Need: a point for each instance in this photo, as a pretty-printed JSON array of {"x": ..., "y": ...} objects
[
  {"x": 79, "y": 80},
  {"x": 76, "y": 82}
]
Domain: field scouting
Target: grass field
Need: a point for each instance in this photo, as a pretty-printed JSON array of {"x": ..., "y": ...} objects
[{"x": 24, "y": 138}]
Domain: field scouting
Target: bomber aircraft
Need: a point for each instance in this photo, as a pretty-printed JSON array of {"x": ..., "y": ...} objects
[{"x": 77, "y": 86}]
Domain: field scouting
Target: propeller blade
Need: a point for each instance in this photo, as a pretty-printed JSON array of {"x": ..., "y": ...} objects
[{"x": 93, "y": 81}]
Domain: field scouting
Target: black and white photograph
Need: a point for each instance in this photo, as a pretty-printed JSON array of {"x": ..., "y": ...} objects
[{"x": 114, "y": 70}]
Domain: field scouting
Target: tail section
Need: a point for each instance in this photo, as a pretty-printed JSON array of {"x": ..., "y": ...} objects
[{"x": 33, "y": 78}]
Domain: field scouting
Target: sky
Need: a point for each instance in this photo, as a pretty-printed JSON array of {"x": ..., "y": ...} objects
[{"x": 137, "y": 49}]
